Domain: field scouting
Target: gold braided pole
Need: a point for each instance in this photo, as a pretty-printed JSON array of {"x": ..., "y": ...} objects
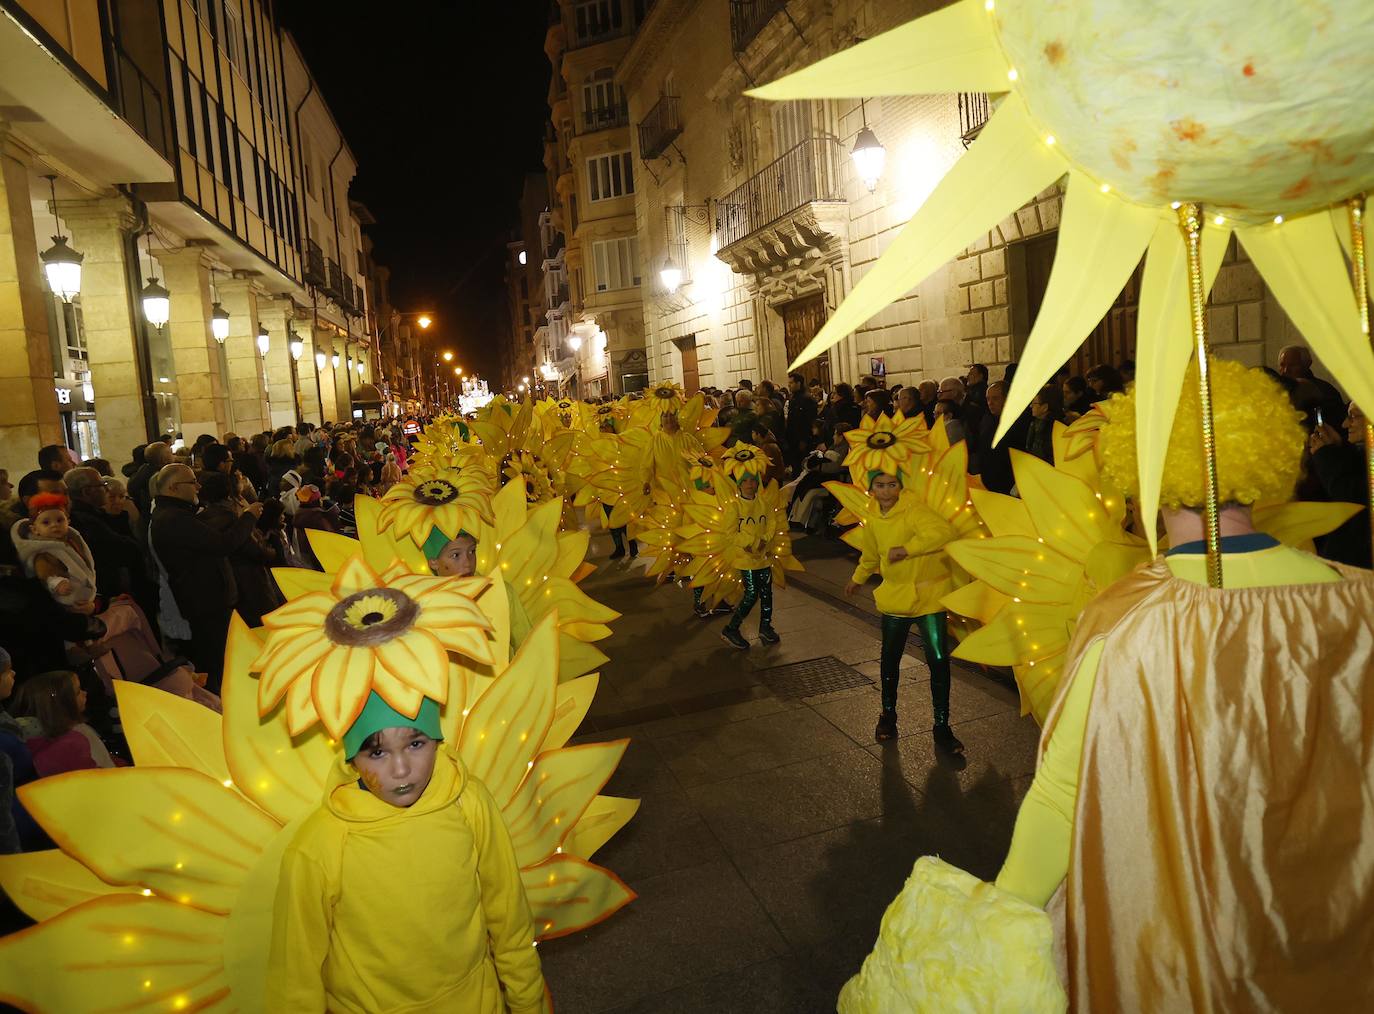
[
  {"x": 1355, "y": 209},
  {"x": 1190, "y": 222}
]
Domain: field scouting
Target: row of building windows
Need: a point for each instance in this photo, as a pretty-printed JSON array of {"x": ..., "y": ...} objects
[{"x": 610, "y": 176}]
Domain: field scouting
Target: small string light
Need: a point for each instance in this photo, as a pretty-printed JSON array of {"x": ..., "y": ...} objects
[
  {"x": 1012, "y": 75},
  {"x": 1278, "y": 220}
]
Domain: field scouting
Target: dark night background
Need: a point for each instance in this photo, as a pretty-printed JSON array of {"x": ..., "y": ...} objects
[{"x": 443, "y": 105}]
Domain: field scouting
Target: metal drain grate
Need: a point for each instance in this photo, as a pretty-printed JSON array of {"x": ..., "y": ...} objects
[{"x": 814, "y": 676}]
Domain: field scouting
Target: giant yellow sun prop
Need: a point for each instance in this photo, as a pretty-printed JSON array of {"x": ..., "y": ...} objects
[{"x": 1256, "y": 110}]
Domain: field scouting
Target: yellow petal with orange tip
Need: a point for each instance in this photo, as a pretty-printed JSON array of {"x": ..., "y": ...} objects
[
  {"x": 1003, "y": 515},
  {"x": 340, "y": 686},
  {"x": 507, "y": 725},
  {"x": 47, "y": 883},
  {"x": 119, "y": 953},
  {"x": 354, "y": 576},
  {"x": 290, "y": 656},
  {"x": 469, "y": 641},
  {"x": 1022, "y": 632},
  {"x": 308, "y": 610},
  {"x": 417, "y": 658},
  {"x": 300, "y": 707},
  {"x": 573, "y": 701},
  {"x": 282, "y": 775},
  {"x": 554, "y": 795},
  {"x": 577, "y": 657},
  {"x": 400, "y": 694},
  {"x": 977, "y": 600},
  {"x": 178, "y": 833},
  {"x": 567, "y": 894},
  {"x": 1066, "y": 512},
  {"x": 164, "y": 730},
  {"x": 602, "y": 819}
]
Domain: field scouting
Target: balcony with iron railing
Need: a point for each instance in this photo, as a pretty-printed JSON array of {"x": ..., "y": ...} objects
[
  {"x": 749, "y": 17},
  {"x": 660, "y": 127},
  {"x": 603, "y": 118},
  {"x": 334, "y": 285},
  {"x": 598, "y": 21},
  {"x": 804, "y": 175},
  {"x": 974, "y": 110},
  {"x": 314, "y": 264}
]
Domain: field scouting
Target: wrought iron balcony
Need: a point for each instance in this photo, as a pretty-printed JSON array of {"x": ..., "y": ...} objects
[
  {"x": 314, "y": 264},
  {"x": 749, "y": 17},
  {"x": 334, "y": 285},
  {"x": 973, "y": 114},
  {"x": 598, "y": 21},
  {"x": 660, "y": 127},
  {"x": 604, "y": 118},
  {"x": 803, "y": 175}
]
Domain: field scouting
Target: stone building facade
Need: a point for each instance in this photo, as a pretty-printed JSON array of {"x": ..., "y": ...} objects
[{"x": 759, "y": 208}]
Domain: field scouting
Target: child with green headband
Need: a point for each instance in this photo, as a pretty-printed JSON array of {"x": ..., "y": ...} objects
[
  {"x": 402, "y": 892},
  {"x": 753, "y": 525},
  {"x": 457, "y": 557},
  {"x": 904, "y": 541}
]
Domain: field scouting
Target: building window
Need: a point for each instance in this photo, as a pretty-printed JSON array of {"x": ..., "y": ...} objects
[
  {"x": 233, "y": 32},
  {"x": 610, "y": 176},
  {"x": 602, "y": 100},
  {"x": 617, "y": 263},
  {"x": 593, "y": 18}
]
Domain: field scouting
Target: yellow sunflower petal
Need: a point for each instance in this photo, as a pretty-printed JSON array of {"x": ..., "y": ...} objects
[
  {"x": 164, "y": 730},
  {"x": 1019, "y": 566},
  {"x": 602, "y": 819},
  {"x": 300, "y": 707},
  {"x": 567, "y": 894},
  {"x": 559, "y": 788},
  {"x": 332, "y": 549},
  {"x": 354, "y": 576},
  {"x": 307, "y": 610},
  {"x": 287, "y": 659},
  {"x": 417, "y": 658},
  {"x": 340, "y": 686},
  {"x": 295, "y": 582},
  {"x": 44, "y": 884}
]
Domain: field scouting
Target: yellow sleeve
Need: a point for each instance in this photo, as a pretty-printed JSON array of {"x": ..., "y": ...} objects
[
  {"x": 930, "y": 533},
  {"x": 302, "y": 918},
  {"x": 510, "y": 927},
  {"x": 1039, "y": 857},
  {"x": 868, "y": 556}
]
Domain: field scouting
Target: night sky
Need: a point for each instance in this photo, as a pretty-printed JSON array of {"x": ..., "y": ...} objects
[{"x": 443, "y": 104}]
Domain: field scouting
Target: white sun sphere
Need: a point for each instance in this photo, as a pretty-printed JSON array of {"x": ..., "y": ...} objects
[{"x": 1253, "y": 107}]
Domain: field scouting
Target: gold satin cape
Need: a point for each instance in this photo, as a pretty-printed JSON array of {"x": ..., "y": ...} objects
[{"x": 1223, "y": 844}]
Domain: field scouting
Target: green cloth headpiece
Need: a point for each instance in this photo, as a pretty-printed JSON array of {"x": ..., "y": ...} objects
[
  {"x": 873, "y": 473},
  {"x": 434, "y": 545},
  {"x": 377, "y": 714}
]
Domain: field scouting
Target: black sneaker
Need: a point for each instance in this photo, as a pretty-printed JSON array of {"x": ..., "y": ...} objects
[
  {"x": 768, "y": 635},
  {"x": 619, "y": 553},
  {"x": 946, "y": 740},
  {"x": 722, "y": 609},
  {"x": 887, "y": 726},
  {"x": 634, "y": 549},
  {"x": 733, "y": 638},
  {"x": 701, "y": 611}
]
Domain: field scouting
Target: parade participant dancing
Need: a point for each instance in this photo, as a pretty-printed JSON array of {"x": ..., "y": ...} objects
[{"x": 754, "y": 528}]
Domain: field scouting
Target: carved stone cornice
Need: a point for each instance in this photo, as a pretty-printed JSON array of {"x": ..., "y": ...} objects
[{"x": 813, "y": 232}]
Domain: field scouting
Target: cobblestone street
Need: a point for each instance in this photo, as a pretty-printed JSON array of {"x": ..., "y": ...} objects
[{"x": 773, "y": 831}]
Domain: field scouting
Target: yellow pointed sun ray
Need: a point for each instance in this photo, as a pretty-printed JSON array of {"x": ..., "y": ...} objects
[
  {"x": 1164, "y": 347},
  {"x": 952, "y": 50},
  {"x": 1101, "y": 240},
  {"x": 567, "y": 894},
  {"x": 1298, "y": 523},
  {"x": 121, "y": 953},
  {"x": 163, "y": 730},
  {"x": 574, "y": 700},
  {"x": 1301, "y": 261},
  {"x": 606, "y": 816},
  {"x": 1008, "y": 165},
  {"x": 176, "y": 832},
  {"x": 555, "y": 794},
  {"x": 46, "y": 883}
]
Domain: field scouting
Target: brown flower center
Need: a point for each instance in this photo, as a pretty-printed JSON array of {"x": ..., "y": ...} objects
[
  {"x": 436, "y": 492},
  {"x": 880, "y": 440},
  {"x": 371, "y": 617}
]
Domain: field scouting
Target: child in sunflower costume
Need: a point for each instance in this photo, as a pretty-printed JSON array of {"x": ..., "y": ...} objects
[
  {"x": 902, "y": 539},
  {"x": 404, "y": 833},
  {"x": 1201, "y": 769},
  {"x": 753, "y": 526}
]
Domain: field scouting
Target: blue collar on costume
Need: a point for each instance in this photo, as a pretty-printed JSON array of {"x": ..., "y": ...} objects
[{"x": 1252, "y": 543}]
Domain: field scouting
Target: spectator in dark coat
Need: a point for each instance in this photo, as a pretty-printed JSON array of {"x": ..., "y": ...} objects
[
  {"x": 969, "y": 414},
  {"x": 1340, "y": 467},
  {"x": 196, "y": 558},
  {"x": 1046, "y": 410},
  {"x": 995, "y": 459},
  {"x": 156, "y": 456},
  {"x": 135, "y": 462},
  {"x": 1076, "y": 398},
  {"x": 251, "y": 460},
  {"x": 801, "y": 415},
  {"x": 257, "y": 592},
  {"x": 842, "y": 408},
  {"x": 119, "y": 564},
  {"x": 976, "y": 385}
]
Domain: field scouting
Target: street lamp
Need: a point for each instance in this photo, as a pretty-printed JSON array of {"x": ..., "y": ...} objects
[
  {"x": 335, "y": 362},
  {"x": 264, "y": 339},
  {"x": 61, "y": 264},
  {"x": 869, "y": 155},
  {"x": 574, "y": 342},
  {"x": 670, "y": 274},
  {"x": 319, "y": 360},
  {"x": 448, "y": 357},
  {"x": 424, "y": 320},
  {"x": 297, "y": 347},
  {"x": 219, "y": 322},
  {"x": 157, "y": 303}
]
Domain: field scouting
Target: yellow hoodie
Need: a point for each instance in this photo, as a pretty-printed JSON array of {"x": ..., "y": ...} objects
[
  {"x": 385, "y": 909},
  {"x": 914, "y": 586}
]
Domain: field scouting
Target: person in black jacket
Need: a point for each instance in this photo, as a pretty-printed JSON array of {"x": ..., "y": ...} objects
[
  {"x": 801, "y": 417},
  {"x": 1340, "y": 467},
  {"x": 196, "y": 558},
  {"x": 118, "y": 558},
  {"x": 257, "y": 592},
  {"x": 156, "y": 455},
  {"x": 995, "y": 459}
]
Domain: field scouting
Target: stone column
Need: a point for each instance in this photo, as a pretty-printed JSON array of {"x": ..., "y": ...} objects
[
  {"x": 200, "y": 378},
  {"x": 28, "y": 405},
  {"x": 276, "y": 316},
  {"x": 308, "y": 377},
  {"x": 329, "y": 401},
  {"x": 111, "y": 321},
  {"x": 247, "y": 392},
  {"x": 344, "y": 382}
]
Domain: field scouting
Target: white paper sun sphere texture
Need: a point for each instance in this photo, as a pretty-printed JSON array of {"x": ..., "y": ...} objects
[{"x": 1255, "y": 108}]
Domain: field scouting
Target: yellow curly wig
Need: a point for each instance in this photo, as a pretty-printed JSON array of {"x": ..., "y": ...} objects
[{"x": 1259, "y": 441}]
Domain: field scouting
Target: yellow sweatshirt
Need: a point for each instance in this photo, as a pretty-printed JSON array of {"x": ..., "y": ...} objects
[
  {"x": 1038, "y": 859},
  {"x": 914, "y": 586},
  {"x": 403, "y": 909},
  {"x": 754, "y": 527}
]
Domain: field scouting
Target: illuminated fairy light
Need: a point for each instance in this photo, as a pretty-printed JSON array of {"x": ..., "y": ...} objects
[
  {"x": 1012, "y": 75},
  {"x": 1049, "y": 140},
  {"x": 1105, "y": 189},
  {"x": 1219, "y": 220},
  {"x": 1278, "y": 220}
]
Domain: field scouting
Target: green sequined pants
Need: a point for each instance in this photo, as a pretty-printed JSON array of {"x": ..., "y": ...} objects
[
  {"x": 758, "y": 587},
  {"x": 935, "y": 642}
]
